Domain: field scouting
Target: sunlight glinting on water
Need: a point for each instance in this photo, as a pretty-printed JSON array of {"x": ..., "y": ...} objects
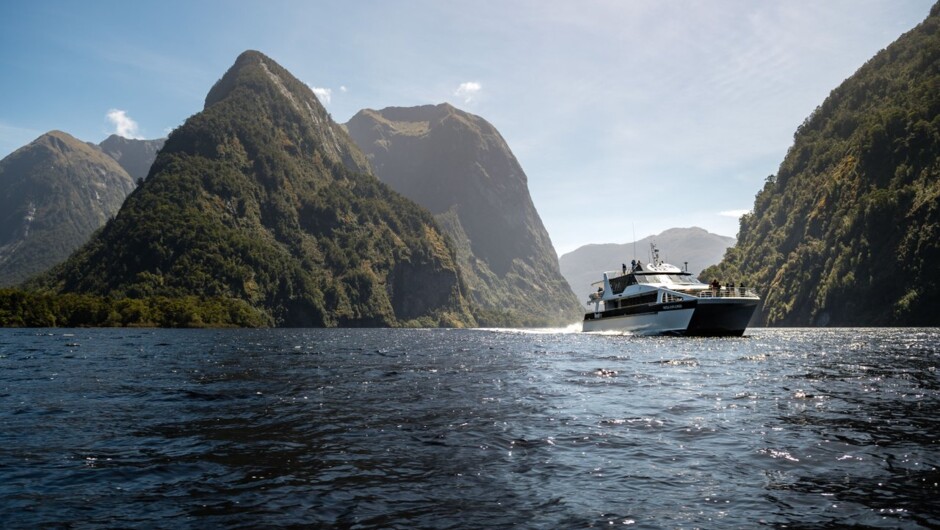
[{"x": 469, "y": 428}]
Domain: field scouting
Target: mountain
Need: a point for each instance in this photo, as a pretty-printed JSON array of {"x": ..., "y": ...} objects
[
  {"x": 261, "y": 197},
  {"x": 459, "y": 167},
  {"x": 847, "y": 233},
  {"x": 135, "y": 156},
  {"x": 54, "y": 193},
  {"x": 699, "y": 247}
]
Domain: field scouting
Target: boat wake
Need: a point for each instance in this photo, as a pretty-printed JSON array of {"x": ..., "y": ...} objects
[
  {"x": 570, "y": 329},
  {"x": 567, "y": 330}
]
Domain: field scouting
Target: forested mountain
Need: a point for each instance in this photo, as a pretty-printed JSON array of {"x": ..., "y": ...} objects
[
  {"x": 262, "y": 198},
  {"x": 135, "y": 156},
  {"x": 459, "y": 167},
  {"x": 695, "y": 246},
  {"x": 848, "y": 230},
  {"x": 54, "y": 193}
]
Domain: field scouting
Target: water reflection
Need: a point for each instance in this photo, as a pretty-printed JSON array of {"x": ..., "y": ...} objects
[{"x": 867, "y": 422}]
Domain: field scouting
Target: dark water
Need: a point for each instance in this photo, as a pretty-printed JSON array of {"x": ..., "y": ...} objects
[{"x": 468, "y": 429}]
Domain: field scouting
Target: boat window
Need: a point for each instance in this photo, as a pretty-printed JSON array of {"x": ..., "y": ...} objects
[
  {"x": 618, "y": 284},
  {"x": 669, "y": 279},
  {"x": 655, "y": 278},
  {"x": 648, "y": 298}
]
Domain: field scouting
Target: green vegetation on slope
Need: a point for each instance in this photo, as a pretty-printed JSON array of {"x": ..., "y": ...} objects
[
  {"x": 20, "y": 308},
  {"x": 848, "y": 231}
]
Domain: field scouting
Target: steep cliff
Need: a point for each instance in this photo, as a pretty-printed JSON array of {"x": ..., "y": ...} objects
[
  {"x": 848, "y": 230},
  {"x": 459, "y": 167}
]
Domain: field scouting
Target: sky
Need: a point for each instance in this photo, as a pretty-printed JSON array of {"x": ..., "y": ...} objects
[{"x": 628, "y": 117}]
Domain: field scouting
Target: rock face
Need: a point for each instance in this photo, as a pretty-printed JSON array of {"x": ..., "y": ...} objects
[
  {"x": 847, "y": 233},
  {"x": 135, "y": 156},
  {"x": 262, "y": 197},
  {"x": 459, "y": 167},
  {"x": 699, "y": 247},
  {"x": 54, "y": 193}
]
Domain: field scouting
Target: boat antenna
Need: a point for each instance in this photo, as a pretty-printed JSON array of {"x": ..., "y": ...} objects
[{"x": 634, "y": 239}]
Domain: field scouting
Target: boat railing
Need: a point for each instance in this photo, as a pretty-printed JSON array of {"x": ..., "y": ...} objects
[{"x": 726, "y": 292}]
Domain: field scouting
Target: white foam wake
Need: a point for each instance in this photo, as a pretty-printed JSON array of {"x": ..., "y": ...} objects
[{"x": 567, "y": 330}]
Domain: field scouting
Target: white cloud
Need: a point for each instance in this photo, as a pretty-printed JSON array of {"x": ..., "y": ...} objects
[
  {"x": 323, "y": 94},
  {"x": 123, "y": 124},
  {"x": 733, "y": 213},
  {"x": 467, "y": 91},
  {"x": 342, "y": 88}
]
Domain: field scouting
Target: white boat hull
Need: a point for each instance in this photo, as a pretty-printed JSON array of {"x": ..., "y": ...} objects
[{"x": 662, "y": 322}]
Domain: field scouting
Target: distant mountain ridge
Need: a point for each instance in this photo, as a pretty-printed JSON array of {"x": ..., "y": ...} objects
[
  {"x": 262, "y": 198},
  {"x": 135, "y": 156},
  {"x": 847, "y": 233},
  {"x": 54, "y": 193},
  {"x": 699, "y": 247},
  {"x": 459, "y": 167}
]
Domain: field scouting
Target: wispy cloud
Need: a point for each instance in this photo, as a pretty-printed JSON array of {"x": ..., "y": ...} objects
[
  {"x": 12, "y": 138},
  {"x": 467, "y": 91},
  {"x": 733, "y": 213},
  {"x": 123, "y": 124},
  {"x": 323, "y": 94}
]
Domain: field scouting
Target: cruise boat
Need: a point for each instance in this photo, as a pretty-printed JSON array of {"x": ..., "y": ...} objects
[{"x": 661, "y": 299}]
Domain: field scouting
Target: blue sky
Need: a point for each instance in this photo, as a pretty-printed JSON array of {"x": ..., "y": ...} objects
[{"x": 627, "y": 116}]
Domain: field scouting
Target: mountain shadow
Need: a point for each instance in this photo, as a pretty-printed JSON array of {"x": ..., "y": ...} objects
[
  {"x": 135, "y": 156},
  {"x": 459, "y": 167}
]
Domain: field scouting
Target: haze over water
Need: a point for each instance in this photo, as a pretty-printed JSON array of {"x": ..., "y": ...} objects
[{"x": 468, "y": 429}]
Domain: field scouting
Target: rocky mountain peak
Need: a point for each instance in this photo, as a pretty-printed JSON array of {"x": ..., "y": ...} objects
[{"x": 255, "y": 79}]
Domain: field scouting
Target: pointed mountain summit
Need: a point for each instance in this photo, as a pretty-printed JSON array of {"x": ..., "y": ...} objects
[
  {"x": 261, "y": 197},
  {"x": 54, "y": 193},
  {"x": 135, "y": 156},
  {"x": 458, "y": 166},
  {"x": 847, "y": 233}
]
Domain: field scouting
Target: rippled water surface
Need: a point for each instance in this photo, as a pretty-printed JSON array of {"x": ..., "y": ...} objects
[{"x": 468, "y": 429}]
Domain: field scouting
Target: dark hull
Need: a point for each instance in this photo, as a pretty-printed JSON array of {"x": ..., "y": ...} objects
[{"x": 721, "y": 318}]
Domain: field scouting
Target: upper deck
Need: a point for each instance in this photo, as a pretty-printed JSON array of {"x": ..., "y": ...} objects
[{"x": 673, "y": 279}]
